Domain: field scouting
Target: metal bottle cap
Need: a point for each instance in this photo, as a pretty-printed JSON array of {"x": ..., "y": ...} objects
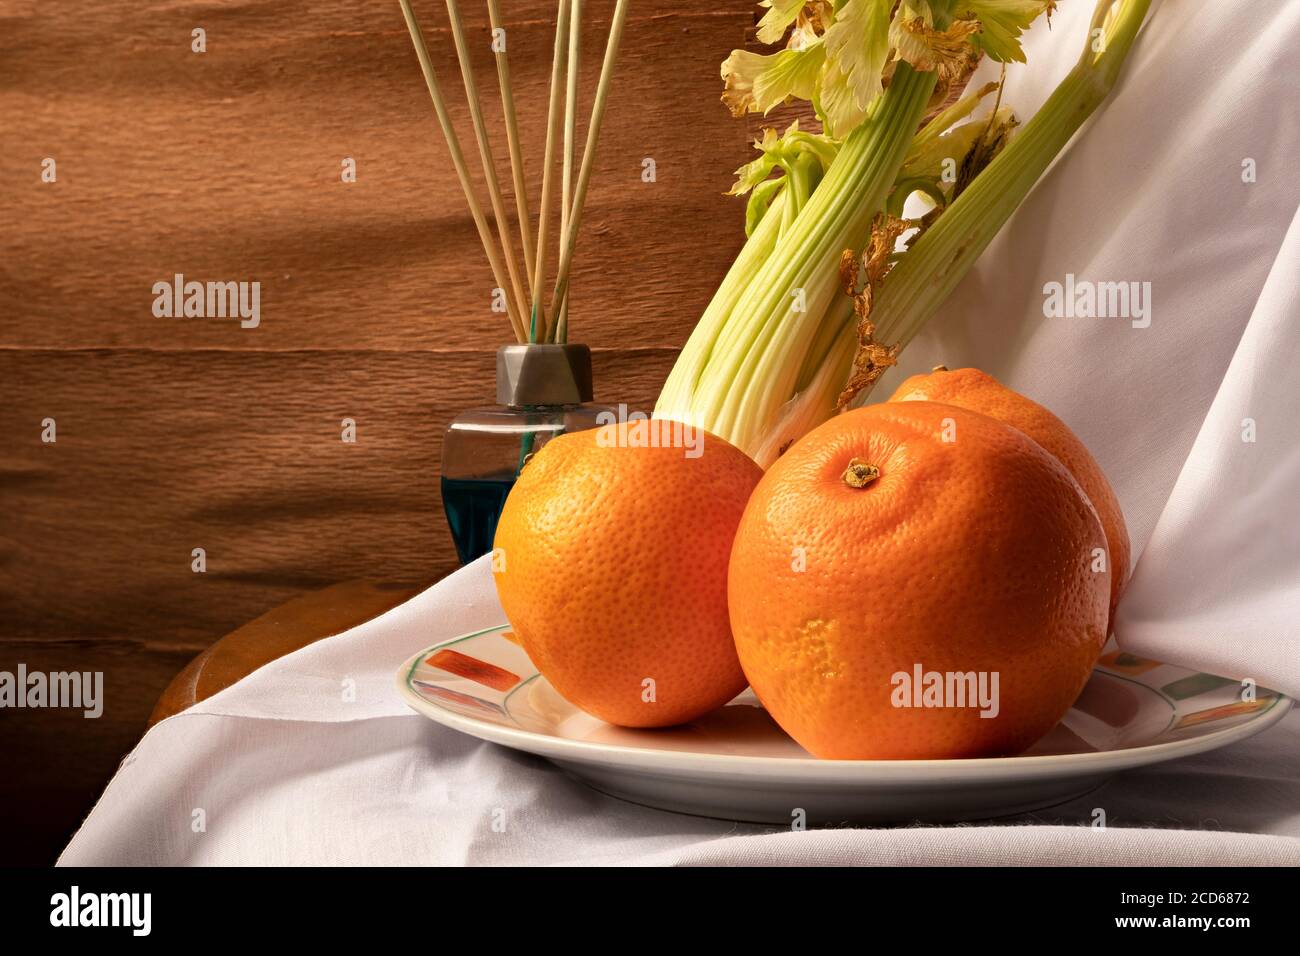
[{"x": 543, "y": 374}]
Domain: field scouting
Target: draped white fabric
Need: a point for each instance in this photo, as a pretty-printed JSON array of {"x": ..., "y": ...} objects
[{"x": 1186, "y": 181}]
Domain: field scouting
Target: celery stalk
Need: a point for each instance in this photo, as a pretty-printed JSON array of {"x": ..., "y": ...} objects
[
  {"x": 806, "y": 261},
  {"x": 758, "y": 371},
  {"x": 739, "y": 393},
  {"x": 931, "y": 269}
]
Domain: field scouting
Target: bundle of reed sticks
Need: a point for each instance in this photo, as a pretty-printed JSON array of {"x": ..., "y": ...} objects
[{"x": 532, "y": 317}]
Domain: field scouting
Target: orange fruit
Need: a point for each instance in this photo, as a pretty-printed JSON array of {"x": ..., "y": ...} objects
[
  {"x": 612, "y": 556},
  {"x": 971, "y": 388},
  {"x": 912, "y": 538}
]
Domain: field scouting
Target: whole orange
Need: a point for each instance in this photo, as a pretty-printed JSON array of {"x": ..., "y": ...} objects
[
  {"x": 973, "y": 389},
  {"x": 910, "y": 539},
  {"x": 611, "y": 564}
]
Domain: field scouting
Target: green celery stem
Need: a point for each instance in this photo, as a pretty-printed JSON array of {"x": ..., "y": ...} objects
[
  {"x": 525, "y": 449},
  {"x": 940, "y": 258},
  {"x": 837, "y": 216}
]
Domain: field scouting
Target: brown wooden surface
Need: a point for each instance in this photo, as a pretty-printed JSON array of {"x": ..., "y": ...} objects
[
  {"x": 182, "y": 433},
  {"x": 280, "y": 631}
]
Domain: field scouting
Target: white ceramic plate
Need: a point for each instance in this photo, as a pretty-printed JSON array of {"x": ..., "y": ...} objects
[{"x": 737, "y": 764}]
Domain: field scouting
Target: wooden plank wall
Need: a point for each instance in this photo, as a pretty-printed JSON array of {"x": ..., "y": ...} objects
[{"x": 178, "y": 433}]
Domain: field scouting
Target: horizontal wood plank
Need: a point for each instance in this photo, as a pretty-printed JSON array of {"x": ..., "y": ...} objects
[
  {"x": 240, "y": 454},
  {"x": 225, "y": 166}
]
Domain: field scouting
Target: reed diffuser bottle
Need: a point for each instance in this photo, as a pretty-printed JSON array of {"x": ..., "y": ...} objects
[
  {"x": 543, "y": 383},
  {"x": 542, "y": 391}
]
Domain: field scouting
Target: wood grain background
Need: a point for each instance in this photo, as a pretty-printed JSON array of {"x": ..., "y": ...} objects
[{"x": 180, "y": 433}]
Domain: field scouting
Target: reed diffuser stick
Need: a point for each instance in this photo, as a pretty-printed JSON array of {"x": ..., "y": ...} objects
[
  {"x": 537, "y": 325},
  {"x": 570, "y": 137},
  {"x": 458, "y": 161},
  {"x": 512, "y": 139},
  {"x": 485, "y": 154},
  {"x": 588, "y": 158}
]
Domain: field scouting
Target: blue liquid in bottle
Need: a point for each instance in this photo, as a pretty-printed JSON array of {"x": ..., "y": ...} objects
[{"x": 473, "y": 506}]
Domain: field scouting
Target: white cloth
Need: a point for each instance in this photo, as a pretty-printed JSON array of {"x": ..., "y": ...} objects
[
  {"x": 286, "y": 771},
  {"x": 281, "y": 769},
  {"x": 1219, "y": 585}
]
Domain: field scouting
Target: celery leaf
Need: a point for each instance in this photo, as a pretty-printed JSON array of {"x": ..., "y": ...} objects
[
  {"x": 1001, "y": 24},
  {"x": 756, "y": 83},
  {"x": 857, "y": 47},
  {"x": 780, "y": 14}
]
